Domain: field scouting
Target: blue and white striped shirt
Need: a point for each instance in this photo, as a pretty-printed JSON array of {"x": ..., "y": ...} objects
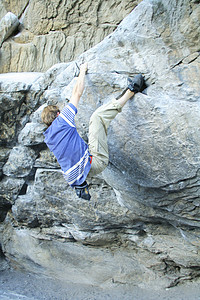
[{"x": 68, "y": 147}]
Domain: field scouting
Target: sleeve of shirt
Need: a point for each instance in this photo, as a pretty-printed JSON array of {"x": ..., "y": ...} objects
[{"x": 68, "y": 113}]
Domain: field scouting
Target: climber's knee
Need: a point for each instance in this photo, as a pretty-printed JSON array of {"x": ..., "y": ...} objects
[{"x": 98, "y": 165}]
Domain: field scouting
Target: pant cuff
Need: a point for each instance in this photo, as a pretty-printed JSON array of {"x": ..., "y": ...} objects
[{"x": 117, "y": 105}]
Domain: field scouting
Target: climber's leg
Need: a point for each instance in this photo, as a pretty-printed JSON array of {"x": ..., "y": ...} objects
[{"x": 99, "y": 123}]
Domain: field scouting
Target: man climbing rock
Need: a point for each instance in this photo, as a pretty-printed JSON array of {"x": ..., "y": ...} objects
[{"x": 77, "y": 159}]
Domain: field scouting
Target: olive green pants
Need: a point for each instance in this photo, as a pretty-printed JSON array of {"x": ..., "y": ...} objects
[{"x": 98, "y": 146}]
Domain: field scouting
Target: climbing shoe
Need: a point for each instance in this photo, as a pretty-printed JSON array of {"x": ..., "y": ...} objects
[
  {"x": 82, "y": 191},
  {"x": 137, "y": 84}
]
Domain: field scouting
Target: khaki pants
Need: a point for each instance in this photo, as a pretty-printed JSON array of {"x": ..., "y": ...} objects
[{"x": 98, "y": 146}]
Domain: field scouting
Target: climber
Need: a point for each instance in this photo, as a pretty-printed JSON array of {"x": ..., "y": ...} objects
[{"x": 77, "y": 159}]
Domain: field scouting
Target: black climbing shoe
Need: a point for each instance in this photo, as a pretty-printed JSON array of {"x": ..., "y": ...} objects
[
  {"x": 82, "y": 191},
  {"x": 137, "y": 84}
]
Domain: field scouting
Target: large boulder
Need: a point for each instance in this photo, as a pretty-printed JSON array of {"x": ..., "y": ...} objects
[{"x": 142, "y": 223}]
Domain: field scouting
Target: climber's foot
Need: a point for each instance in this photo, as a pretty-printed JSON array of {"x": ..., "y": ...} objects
[
  {"x": 82, "y": 191},
  {"x": 137, "y": 84}
]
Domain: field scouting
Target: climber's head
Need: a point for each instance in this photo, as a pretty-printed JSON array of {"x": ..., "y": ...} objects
[{"x": 49, "y": 114}]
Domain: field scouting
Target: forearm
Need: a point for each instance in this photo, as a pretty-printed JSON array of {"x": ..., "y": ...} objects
[{"x": 79, "y": 86}]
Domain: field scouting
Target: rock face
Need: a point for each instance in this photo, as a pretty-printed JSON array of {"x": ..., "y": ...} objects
[
  {"x": 57, "y": 31},
  {"x": 143, "y": 221},
  {"x": 7, "y": 26}
]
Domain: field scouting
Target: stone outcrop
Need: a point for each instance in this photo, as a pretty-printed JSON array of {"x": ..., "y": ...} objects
[
  {"x": 56, "y": 31},
  {"x": 7, "y": 26},
  {"x": 142, "y": 223}
]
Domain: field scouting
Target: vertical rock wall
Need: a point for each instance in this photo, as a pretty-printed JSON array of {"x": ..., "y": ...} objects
[
  {"x": 57, "y": 31},
  {"x": 142, "y": 223}
]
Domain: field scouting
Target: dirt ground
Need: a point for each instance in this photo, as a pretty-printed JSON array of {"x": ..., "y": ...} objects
[{"x": 22, "y": 285}]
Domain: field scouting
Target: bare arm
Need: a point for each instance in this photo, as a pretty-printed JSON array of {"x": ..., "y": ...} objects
[{"x": 79, "y": 86}]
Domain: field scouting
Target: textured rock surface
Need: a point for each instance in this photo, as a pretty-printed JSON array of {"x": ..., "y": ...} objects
[
  {"x": 7, "y": 26},
  {"x": 57, "y": 31},
  {"x": 142, "y": 223}
]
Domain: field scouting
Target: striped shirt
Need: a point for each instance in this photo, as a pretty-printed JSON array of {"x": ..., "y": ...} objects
[{"x": 68, "y": 147}]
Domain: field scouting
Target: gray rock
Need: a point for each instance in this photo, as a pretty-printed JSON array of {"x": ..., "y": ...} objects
[
  {"x": 142, "y": 223},
  {"x": 20, "y": 162},
  {"x": 8, "y": 25},
  {"x": 17, "y": 82},
  {"x": 157, "y": 141},
  {"x": 9, "y": 190},
  {"x": 16, "y": 106},
  {"x": 32, "y": 134},
  {"x": 53, "y": 32},
  {"x": 4, "y": 153},
  {"x": 46, "y": 160}
]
